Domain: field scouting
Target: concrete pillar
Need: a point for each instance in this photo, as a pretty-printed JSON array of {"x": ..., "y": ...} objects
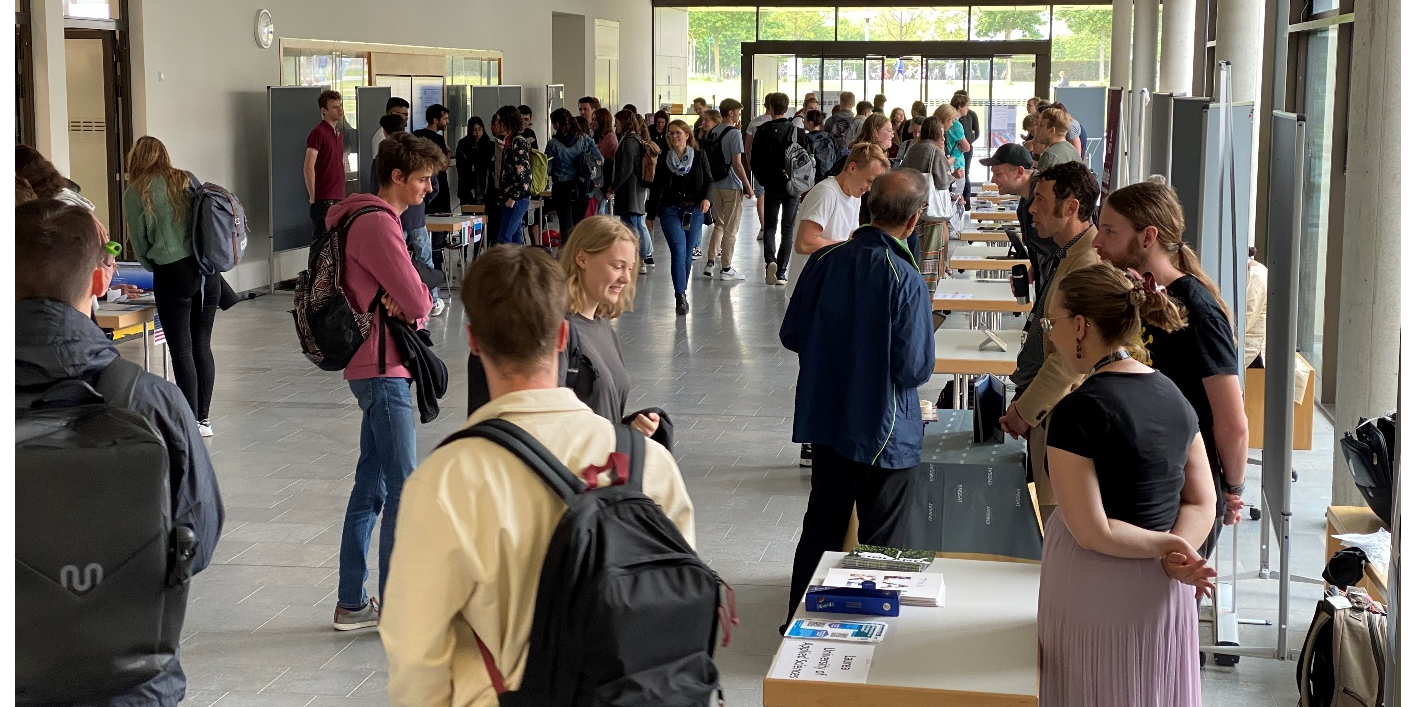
[
  {"x": 51, "y": 82},
  {"x": 1176, "y": 67},
  {"x": 1120, "y": 39},
  {"x": 1367, "y": 375},
  {"x": 1146, "y": 44},
  {"x": 1239, "y": 40}
]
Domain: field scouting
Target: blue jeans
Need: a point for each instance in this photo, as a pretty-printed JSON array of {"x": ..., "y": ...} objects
[
  {"x": 680, "y": 242},
  {"x": 420, "y": 241},
  {"x": 512, "y": 219},
  {"x": 637, "y": 223},
  {"x": 387, "y": 453}
]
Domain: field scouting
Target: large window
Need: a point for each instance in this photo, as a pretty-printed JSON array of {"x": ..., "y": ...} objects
[
  {"x": 797, "y": 23},
  {"x": 903, "y": 23},
  {"x": 1001, "y": 24},
  {"x": 1080, "y": 45}
]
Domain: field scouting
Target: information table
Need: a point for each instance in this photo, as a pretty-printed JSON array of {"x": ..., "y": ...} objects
[
  {"x": 115, "y": 317},
  {"x": 983, "y": 258},
  {"x": 976, "y": 216},
  {"x": 986, "y": 300},
  {"x": 956, "y": 352},
  {"x": 980, "y": 650},
  {"x": 974, "y": 236},
  {"x": 464, "y": 232}
]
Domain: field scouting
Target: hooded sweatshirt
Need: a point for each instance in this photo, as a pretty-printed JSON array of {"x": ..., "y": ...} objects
[
  {"x": 55, "y": 342},
  {"x": 376, "y": 257}
]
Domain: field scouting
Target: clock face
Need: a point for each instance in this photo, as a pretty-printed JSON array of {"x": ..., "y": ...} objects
[{"x": 264, "y": 29}]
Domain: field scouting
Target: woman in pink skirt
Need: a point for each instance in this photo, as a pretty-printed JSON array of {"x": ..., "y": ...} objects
[{"x": 1135, "y": 496}]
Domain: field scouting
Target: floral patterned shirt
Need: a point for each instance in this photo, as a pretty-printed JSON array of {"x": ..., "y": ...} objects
[{"x": 515, "y": 169}]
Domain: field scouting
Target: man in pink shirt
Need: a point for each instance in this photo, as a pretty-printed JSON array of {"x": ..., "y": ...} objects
[{"x": 376, "y": 261}]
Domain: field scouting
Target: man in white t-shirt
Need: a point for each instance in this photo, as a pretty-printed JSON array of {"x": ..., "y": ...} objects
[{"x": 830, "y": 212}]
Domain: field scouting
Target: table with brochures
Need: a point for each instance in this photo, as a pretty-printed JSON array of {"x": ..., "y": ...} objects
[{"x": 978, "y": 650}]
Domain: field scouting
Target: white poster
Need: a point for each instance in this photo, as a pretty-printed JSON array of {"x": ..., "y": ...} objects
[{"x": 824, "y": 661}]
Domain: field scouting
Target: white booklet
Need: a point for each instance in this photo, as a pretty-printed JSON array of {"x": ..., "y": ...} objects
[{"x": 918, "y": 588}]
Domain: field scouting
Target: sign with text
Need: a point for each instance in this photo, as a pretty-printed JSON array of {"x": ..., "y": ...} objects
[{"x": 824, "y": 661}]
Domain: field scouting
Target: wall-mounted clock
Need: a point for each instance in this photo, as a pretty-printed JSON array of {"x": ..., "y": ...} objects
[{"x": 264, "y": 29}]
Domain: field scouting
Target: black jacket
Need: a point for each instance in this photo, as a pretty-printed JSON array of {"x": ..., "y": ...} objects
[
  {"x": 441, "y": 201},
  {"x": 768, "y": 151},
  {"x": 55, "y": 342},
  {"x": 429, "y": 373},
  {"x": 671, "y": 190},
  {"x": 475, "y": 161}
]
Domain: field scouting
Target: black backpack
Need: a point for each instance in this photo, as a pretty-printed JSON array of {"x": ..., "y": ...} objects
[
  {"x": 640, "y": 624},
  {"x": 717, "y": 162},
  {"x": 822, "y": 149},
  {"x": 330, "y": 331},
  {"x": 101, "y": 573}
]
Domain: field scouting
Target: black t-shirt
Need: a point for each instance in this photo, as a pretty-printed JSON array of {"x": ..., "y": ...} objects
[
  {"x": 1203, "y": 348},
  {"x": 529, "y": 136},
  {"x": 1136, "y": 427}
]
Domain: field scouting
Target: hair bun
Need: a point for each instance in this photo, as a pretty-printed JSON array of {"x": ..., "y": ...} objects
[
  {"x": 1159, "y": 179},
  {"x": 1138, "y": 296}
]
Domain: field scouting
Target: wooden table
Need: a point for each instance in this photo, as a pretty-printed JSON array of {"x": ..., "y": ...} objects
[
  {"x": 985, "y": 299},
  {"x": 114, "y": 317},
  {"x": 993, "y": 216},
  {"x": 956, "y": 352},
  {"x": 997, "y": 198},
  {"x": 983, "y": 258},
  {"x": 471, "y": 226},
  {"x": 980, "y": 650},
  {"x": 1345, "y": 520},
  {"x": 975, "y": 236}
]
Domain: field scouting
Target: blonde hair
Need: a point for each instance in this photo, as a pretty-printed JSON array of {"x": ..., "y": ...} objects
[
  {"x": 862, "y": 153},
  {"x": 1057, "y": 117},
  {"x": 1145, "y": 204},
  {"x": 592, "y": 236},
  {"x": 147, "y": 159},
  {"x": 1117, "y": 306},
  {"x": 946, "y": 113}
]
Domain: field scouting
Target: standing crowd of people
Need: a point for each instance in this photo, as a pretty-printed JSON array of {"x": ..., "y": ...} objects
[{"x": 1126, "y": 386}]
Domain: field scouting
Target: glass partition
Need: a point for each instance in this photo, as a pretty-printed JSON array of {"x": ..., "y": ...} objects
[{"x": 1319, "y": 107}]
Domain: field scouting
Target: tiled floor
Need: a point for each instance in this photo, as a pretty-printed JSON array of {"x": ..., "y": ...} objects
[{"x": 258, "y": 628}]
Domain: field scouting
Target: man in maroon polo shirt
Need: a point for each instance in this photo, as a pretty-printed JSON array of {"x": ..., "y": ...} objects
[{"x": 324, "y": 160}]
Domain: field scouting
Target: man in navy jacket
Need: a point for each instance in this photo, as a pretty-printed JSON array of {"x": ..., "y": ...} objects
[{"x": 861, "y": 321}]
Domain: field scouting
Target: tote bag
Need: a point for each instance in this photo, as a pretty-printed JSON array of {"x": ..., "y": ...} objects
[{"x": 940, "y": 203}]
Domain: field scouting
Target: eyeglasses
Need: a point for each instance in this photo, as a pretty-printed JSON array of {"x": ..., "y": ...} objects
[{"x": 1048, "y": 323}]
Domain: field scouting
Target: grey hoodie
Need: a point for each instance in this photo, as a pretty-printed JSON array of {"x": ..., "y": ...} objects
[{"x": 55, "y": 342}]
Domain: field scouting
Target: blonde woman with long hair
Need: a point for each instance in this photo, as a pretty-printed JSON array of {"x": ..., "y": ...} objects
[{"x": 157, "y": 209}]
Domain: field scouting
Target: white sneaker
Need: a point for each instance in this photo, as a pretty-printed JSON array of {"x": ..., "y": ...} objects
[
  {"x": 770, "y": 273},
  {"x": 707, "y": 271},
  {"x": 438, "y": 307},
  {"x": 731, "y": 274},
  {"x": 642, "y": 269},
  {"x": 204, "y": 427}
]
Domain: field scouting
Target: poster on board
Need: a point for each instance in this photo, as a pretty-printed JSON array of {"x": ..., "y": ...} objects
[
  {"x": 1001, "y": 127},
  {"x": 1114, "y": 124}
]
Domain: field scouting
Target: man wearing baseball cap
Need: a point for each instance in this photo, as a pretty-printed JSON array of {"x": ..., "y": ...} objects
[{"x": 1013, "y": 173}]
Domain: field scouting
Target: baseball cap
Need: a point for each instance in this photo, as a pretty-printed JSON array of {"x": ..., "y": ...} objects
[{"x": 1009, "y": 153}]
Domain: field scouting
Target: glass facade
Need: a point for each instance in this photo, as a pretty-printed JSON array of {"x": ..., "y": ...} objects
[
  {"x": 1001, "y": 24},
  {"x": 1080, "y": 45},
  {"x": 1319, "y": 107}
]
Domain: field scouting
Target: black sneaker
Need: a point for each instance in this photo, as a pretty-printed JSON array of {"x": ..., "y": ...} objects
[
  {"x": 682, "y": 305},
  {"x": 697, "y": 253},
  {"x": 807, "y": 456},
  {"x": 649, "y": 261}
]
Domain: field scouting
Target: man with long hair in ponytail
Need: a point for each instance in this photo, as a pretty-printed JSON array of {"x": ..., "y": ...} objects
[{"x": 1141, "y": 229}]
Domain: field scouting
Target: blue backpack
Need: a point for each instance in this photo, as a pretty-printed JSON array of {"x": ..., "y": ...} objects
[{"x": 218, "y": 227}]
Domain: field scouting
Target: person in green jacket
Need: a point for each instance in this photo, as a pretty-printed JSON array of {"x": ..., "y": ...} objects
[{"x": 157, "y": 208}]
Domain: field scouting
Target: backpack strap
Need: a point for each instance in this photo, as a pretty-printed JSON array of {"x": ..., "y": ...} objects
[
  {"x": 117, "y": 382},
  {"x": 497, "y": 680},
  {"x": 629, "y": 442},
  {"x": 529, "y": 450},
  {"x": 572, "y": 357}
]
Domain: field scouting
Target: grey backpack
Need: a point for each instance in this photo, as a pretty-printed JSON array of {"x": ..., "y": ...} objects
[
  {"x": 218, "y": 227},
  {"x": 101, "y": 574},
  {"x": 800, "y": 169}
]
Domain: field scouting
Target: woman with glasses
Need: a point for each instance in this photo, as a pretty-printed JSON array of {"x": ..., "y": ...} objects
[
  {"x": 157, "y": 209},
  {"x": 1135, "y": 496}
]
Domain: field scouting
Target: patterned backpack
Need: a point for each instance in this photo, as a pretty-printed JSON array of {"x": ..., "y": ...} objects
[{"x": 330, "y": 331}]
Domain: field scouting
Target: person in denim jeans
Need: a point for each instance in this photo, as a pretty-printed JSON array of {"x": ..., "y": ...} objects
[
  {"x": 679, "y": 196},
  {"x": 514, "y": 174},
  {"x": 377, "y": 269},
  {"x": 625, "y": 182}
]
